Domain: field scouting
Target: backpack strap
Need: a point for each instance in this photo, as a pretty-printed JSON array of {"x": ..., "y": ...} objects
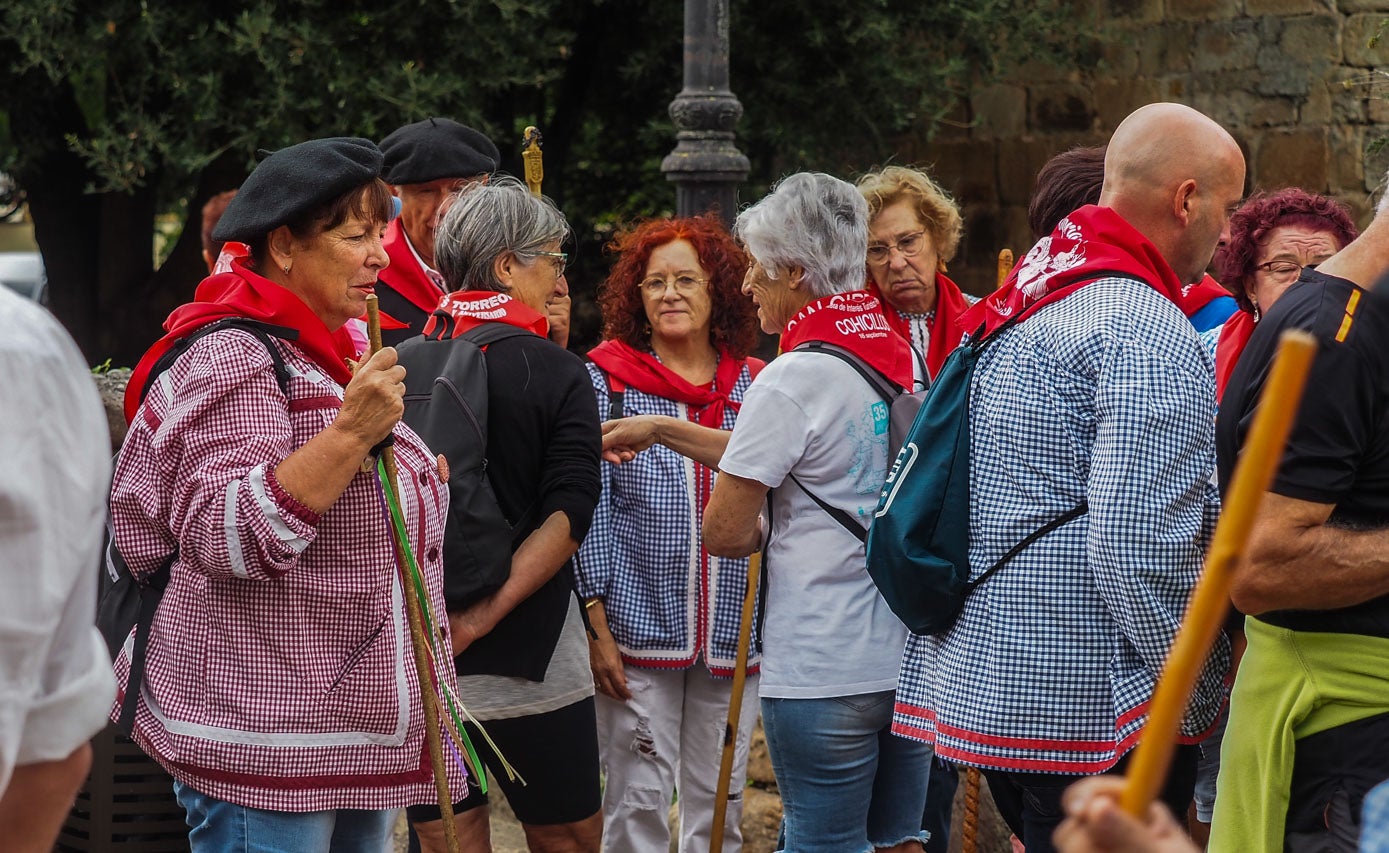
[
  {"x": 617, "y": 391},
  {"x": 151, "y": 591},
  {"x": 844, "y": 518},
  {"x": 489, "y": 333},
  {"x": 260, "y": 331},
  {"x": 1063, "y": 518},
  {"x": 885, "y": 389}
]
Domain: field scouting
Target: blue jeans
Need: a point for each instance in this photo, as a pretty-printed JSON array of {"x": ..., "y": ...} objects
[
  {"x": 216, "y": 826},
  {"x": 848, "y": 785}
]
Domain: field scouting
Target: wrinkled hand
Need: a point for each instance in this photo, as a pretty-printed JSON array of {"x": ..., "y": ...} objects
[
  {"x": 558, "y": 312},
  {"x": 624, "y": 438},
  {"x": 1096, "y": 824},
  {"x": 609, "y": 678},
  {"x": 374, "y": 400},
  {"x": 467, "y": 627}
]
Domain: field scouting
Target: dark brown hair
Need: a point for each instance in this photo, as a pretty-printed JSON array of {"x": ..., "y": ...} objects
[
  {"x": 1070, "y": 180},
  {"x": 370, "y": 202}
]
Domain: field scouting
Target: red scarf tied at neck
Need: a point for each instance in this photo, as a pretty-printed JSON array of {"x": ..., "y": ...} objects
[
  {"x": 1090, "y": 244},
  {"x": 855, "y": 322},
  {"x": 243, "y": 293},
  {"x": 644, "y": 372},
  {"x": 946, "y": 329},
  {"x": 468, "y": 309}
]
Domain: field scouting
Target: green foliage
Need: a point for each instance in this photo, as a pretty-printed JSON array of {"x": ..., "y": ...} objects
[{"x": 165, "y": 89}]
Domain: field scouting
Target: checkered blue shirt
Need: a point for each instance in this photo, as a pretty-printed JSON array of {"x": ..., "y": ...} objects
[
  {"x": 1105, "y": 396},
  {"x": 667, "y": 601}
]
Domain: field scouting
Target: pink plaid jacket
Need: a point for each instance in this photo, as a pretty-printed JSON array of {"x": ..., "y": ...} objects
[{"x": 279, "y": 672}]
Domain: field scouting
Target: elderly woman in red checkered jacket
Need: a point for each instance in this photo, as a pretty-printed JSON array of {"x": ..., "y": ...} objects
[{"x": 279, "y": 688}]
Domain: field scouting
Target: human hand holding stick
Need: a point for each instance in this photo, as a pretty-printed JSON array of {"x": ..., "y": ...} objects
[
  {"x": 418, "y": 641},
  {"x": 1253, "y": 474}
]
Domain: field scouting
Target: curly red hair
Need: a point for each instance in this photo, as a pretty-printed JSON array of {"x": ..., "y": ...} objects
[
  {"x": 733, "y": 324},
  {"x": 1260, "y": 214}
]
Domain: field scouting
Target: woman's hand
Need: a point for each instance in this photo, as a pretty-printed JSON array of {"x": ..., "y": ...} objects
[
  {"x": 624, "y": 438},
  {"x": 609, "y": 678},
  {"x": 374, "y": 400}
]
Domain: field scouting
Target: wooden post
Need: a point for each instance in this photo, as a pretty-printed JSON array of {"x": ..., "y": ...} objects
[{"x": 735, "y": 705}]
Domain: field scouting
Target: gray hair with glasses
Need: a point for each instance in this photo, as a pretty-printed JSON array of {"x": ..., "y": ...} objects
[
  {"x": 814, "y": 221},
  {"x": 485, "y": 222}
]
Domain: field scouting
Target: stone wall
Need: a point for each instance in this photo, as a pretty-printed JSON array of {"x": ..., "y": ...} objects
[{"x": 1297, "y": 82}]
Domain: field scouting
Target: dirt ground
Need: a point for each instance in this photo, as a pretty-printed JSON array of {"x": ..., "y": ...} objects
[{"x": 761, "y": 815}]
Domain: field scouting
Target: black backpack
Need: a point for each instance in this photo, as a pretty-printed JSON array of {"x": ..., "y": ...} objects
[
  {"x": 446, "y": 404},
  {"x": 125, "y": 602}
]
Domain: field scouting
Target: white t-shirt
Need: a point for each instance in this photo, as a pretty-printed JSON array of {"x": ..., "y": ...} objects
[
  {"x": 56, "y": 683},
  {"x": 827, "y": 631}
]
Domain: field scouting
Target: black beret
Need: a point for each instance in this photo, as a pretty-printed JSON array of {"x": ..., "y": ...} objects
[
  {"x": 437, "y": 148},
  {"x": 295, "y": 180}
]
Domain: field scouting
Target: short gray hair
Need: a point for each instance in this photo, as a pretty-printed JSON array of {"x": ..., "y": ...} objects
[
  {"x": 811, "y": 220},
  {"x": 485, "y": 222}
]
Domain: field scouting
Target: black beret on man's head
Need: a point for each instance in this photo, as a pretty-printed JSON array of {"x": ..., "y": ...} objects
[
  {"x": 294, "y": 181},
  {"x": 437, "y": 148}
]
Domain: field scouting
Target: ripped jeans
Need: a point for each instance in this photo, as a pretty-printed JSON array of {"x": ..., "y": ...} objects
[
  {"x": 848, "y": 785},
  {"x": 669, "y": 737}
]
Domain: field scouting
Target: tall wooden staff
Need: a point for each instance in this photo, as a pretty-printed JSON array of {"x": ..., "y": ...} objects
[
  {"x": 533, "y": 158},
  {"x": 1253, "y": 474},
  {"x": 969, "y": 830},
  {"x": 735, "y": 705},
  {"x": 418, "y": 642}
]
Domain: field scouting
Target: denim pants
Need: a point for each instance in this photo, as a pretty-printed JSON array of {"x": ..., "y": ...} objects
[
  {"x": 216, "y": 826},
  {"x": 848, "y": 785}
]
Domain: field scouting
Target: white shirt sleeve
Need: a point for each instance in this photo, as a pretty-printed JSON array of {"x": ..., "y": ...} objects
[
  {"x": 771, "y": 435},
  {"x": 56, "y": 683}
]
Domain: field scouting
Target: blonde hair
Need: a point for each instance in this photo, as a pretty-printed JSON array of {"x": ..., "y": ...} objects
[{"x": 934, "y": 206}]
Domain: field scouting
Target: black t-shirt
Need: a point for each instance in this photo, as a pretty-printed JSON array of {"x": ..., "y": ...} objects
[{"x": 1338, "y": 452}]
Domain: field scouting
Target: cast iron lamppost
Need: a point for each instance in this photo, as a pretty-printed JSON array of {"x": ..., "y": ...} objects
[{"x": 706, "y": 166}]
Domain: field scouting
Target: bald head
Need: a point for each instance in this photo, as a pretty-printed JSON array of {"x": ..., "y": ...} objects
[{"x": 1175, "y": 175}]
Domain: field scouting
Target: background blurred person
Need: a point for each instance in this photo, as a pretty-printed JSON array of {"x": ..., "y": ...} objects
[
  {"x": 1273, "y": 236},
  {"x": 665, "y": 612},
  {"x": 522, "y": 658},
  {"x": 279, "y": 689},
  {"x": 812, "y": 424},
  {"x": 914, "y": 228}
]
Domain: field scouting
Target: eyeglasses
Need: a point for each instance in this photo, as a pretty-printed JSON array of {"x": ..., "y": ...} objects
[
  {"x": 909, "y": 246},
  {"x": 1280, "y": 271},
  {"x": 561, "y": 260},
  {"x": 655, "y": 287}
]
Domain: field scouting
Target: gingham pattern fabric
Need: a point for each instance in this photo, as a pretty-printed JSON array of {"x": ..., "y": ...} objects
[
  {"x": 279, "y": 672},
  {"x": 668, "y": 602},
  {"x": 1105, "y": 396}
]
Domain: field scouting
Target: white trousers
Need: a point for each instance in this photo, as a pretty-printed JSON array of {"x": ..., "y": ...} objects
[{"x": 669, "y": 737}]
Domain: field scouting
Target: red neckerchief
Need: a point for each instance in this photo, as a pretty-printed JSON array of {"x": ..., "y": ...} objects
[
  {"x": 1199, "y": 295},
  {"x": 471, "y": 308},
  {"x": 946, "y": 329},
  {"x": 854, "y": 321},
  {"x": 1090, "y": 244},
  {"x": 405, "y": 275},
  {"x": 1234, "y": 335},
  {"x": 243, "y": 293},
  {"x": 644, "y": 372}
]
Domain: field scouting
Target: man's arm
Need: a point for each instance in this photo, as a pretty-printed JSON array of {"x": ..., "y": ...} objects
[
  {"x": 1296, "y": 561},
  {"x": 38, "y": 799}
]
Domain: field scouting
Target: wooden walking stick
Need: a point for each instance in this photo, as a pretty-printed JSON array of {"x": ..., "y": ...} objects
[
  {"x": 735, "y": 705},
  {"x": 1258, "y": 462},
  {"x": 418, "y": 641},
  {"x": 969, "y": 829},
  {"x": 533, "y": 159}
]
